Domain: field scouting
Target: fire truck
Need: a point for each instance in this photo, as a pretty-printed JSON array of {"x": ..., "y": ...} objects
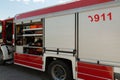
[{"x": 78, "y": 40}]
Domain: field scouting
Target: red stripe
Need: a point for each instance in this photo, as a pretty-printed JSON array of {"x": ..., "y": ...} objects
[
  {"x": 92, "y": 71},
  {"x": 28, "y": 60},
  {"x": 28, "y": 64},
  {"x": 95, "y": 72},
  {"x": 95, "y": 66},
  {"x": 77, "y": 4},
  {"x": 89, "y": 77}
]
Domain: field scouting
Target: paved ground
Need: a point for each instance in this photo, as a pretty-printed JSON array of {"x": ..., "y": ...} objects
[{"x": 15, "y": 72}]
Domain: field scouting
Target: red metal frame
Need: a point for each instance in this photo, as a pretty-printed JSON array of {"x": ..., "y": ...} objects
[
  {"x": 3, "y": 31},
  {"x": 89, "y": 71},
  {"x": 4, "y": 28},
  {"x": 77, "y": 4},
  {"x": 9, "y": 19}
]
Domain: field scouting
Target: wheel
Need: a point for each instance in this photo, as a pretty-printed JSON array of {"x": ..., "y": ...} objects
[
  {"x": 1, "y": 58},
  {"x": 58, "y": 70}
]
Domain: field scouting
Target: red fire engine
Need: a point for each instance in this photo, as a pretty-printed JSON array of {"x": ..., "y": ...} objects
[{"x": 78, "y": 40}]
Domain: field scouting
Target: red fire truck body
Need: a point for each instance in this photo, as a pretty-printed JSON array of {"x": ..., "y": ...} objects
[{"x": 78, "y": 40}]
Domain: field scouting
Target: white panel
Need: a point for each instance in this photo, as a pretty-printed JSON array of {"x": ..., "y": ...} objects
[
  {"x": 36, "y": 20},
  {"x": 60, "y": 31},
  {"x": 5, "y": 52},
  {"x": 116, "y": 69},
  {"x": 19, "y": 49},
  {"x": 27, "y": 21},
  {"x": 100, "y": 40},
  {"x": 17, "y": 23}
]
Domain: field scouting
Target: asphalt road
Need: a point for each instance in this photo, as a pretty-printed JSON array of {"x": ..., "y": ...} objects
[{"x": 15, "y": 72}]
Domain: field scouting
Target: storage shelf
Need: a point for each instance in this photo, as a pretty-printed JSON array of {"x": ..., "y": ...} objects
[
  {"x": 31, "y": 46},
  {"x": 33, "y": 29},
  {"x": 25, "y": 35}
]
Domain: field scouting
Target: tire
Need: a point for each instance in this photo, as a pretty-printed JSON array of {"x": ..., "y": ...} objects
[
  {"x": 1, "y": 58},
  {"x": 58, "y": 70}
]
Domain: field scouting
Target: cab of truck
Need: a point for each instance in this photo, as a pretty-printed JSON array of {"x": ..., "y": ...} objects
[
  {"x": 6, "y": 40},
  {"x": 8, "y": 31}
]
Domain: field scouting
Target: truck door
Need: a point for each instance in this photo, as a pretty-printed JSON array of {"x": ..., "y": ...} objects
[
  {"x": 100, "y": 35},
  {"x": 60, "y": 34}
]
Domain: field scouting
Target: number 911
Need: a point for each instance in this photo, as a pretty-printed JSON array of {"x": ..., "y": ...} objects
[{"x": 102, "y": 17}]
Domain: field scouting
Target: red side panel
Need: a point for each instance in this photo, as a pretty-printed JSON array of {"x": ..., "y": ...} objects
[
  {"x": 77, "y": 4},
  {"x": 88, "y": 71},
  {"x": 9, "y": 19},
  {"x": 3, "y": 31},
  {"x": 4, "y": 23},
  {"x": 28, "y": 60}
]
